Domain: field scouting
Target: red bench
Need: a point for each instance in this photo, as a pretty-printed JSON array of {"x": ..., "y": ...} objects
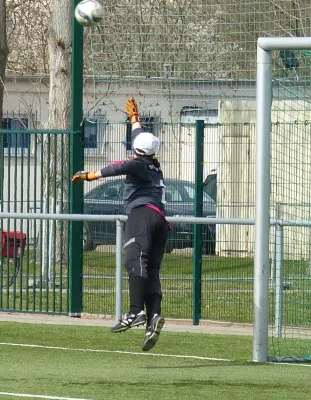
[{"x": 12, "y": 243}]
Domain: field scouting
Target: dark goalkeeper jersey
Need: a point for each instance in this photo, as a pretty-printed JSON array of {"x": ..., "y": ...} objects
[{"x": 144, "y": 183}]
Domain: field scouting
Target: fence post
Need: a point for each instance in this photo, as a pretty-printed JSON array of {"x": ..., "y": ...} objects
[
  {"x": 76, "y": 164},
  {"x": 278, "y": 279},
  {"x": 198, "y": 204},
  {"x": 119, "y": 246}
]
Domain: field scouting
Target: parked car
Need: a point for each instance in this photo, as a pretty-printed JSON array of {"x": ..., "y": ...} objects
[{"x": 106, "y": 199}]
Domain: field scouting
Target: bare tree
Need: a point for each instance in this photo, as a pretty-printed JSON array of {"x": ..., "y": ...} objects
[
  {"x": 4, "y": 51},
  {"x": 56, "y": 146},
  {"x": 28, "y": 23},
  {"x": 138, "y": 37}
]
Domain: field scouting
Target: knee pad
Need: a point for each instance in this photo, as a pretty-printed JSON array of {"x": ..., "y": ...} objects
[{"x": 136, "y": 261}]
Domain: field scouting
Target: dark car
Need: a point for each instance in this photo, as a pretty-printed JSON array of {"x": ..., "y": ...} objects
[{"x": 106, "y": 199}]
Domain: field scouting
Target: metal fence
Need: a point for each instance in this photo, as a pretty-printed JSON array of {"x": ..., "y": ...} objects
[
  {"x": 36, "y": 181},
  {"x": 213, "y": 281},
  {"x": 226, "y": 284}
]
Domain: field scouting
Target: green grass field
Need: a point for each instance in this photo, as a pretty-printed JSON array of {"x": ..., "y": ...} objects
[
  {"x": 81, "y": 362},
  {"x": 227, "y": 288}
]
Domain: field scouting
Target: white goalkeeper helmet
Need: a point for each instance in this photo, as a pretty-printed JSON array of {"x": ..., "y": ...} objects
[{"x": 146, "y": 144}]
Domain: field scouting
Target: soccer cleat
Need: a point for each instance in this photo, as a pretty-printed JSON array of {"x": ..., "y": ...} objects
[
  {"x": 152, "y": 332},
  {"x": 129, "y": 321}
]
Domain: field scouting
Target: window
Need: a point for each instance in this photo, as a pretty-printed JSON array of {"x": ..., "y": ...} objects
[
  {"x": 190, "y": 114},
  {"x": 90, "y": 134},
  {"x": 15, "y": 142},
  {"x": 128, "y": 140},
  {"x": 110, "y": 191},
  {"x": 149, "y": 124},
  {"x": 172, "y": 193},
  {"x": 210, "y": 185},
  {"x": 191, "y": 193},
  {"x": 94, "y": 135},
  {"x": 184, "y": 192},
  {"x": 107, "y": 191}
]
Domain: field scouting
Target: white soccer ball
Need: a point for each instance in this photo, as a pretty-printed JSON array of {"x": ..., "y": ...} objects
[{"x": 89, "y": 12}]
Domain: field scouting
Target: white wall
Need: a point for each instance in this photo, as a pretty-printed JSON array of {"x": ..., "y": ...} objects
[
  {"x": 107, "y": 97},
  {"x": 229, "y": 148},
  {"x": 290, "y": 175}
]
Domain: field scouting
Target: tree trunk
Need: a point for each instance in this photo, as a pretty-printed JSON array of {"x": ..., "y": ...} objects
[
  {"x": 56, "y": 156},
  {"x": 4, "y": 51}
]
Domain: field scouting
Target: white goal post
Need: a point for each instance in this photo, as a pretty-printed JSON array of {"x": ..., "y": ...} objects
[{"x": 265, "y": 46}]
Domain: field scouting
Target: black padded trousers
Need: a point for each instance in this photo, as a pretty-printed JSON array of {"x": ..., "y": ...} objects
[{"x": 145, "y": 237}]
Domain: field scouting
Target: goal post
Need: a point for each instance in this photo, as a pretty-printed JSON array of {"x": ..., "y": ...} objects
[{"x": 265, "y": 46}]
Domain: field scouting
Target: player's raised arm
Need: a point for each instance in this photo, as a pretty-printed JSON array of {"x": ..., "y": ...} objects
[{"x": 131, "y": 110}]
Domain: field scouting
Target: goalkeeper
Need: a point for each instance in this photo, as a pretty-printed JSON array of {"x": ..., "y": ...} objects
[{"x": 146, "y": 229}]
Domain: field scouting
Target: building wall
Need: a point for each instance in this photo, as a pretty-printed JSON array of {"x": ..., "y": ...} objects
[
  {"x": 229, "y": 149},
  {"x": 290, "y": 175},
  {"x": 28, "y": 93}
]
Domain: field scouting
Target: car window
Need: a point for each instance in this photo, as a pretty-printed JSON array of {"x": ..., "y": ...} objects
[
  {"x": 172, "y": 193},
  {"x": 107, "y": 191},
  {"x": 210, "y": 186},
  {"x": 191, "y": 193},
  {"x": 110, "y": 191}
]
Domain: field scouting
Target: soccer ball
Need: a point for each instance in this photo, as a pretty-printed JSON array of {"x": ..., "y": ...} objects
[{"x": 89, "y": 12}]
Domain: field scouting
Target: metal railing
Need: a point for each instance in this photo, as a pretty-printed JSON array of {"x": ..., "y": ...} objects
[{"x": 120, "y": 219}]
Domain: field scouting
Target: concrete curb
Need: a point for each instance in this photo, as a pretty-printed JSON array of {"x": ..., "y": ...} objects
[{"x": 171, "y": 325}]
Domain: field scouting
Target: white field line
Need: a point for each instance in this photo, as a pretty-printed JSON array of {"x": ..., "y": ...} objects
[
  {"x": 291, "y": 363},
  {"x": 132, "y": 353},
  {"x": 38, "y": 396},
  {"x": 37, "y": 346}
]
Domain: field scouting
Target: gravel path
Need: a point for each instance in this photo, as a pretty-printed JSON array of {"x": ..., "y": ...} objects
[{"x": 171, "y": 325}]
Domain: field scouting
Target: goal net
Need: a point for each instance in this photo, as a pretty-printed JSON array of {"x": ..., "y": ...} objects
[
  {"x": 291, "y": 200},
  {"x": 289, "y": 177}
]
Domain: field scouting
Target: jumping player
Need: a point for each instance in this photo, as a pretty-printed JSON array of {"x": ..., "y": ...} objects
[{"x": 146, "y": 229}]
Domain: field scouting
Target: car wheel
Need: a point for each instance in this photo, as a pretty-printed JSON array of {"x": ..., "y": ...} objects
[
  {"x": 209, "y": 248},
  {"x": 88, "y": 244},
  {"x": 169, "y": 247},
  {"x": 209, "y": 244}
]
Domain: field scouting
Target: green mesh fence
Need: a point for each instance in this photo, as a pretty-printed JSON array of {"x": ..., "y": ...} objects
[
  {"x": 227, "y": 277},
  {"x": 34, "y": 256},
  {"x": 180, "y": 58}
]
